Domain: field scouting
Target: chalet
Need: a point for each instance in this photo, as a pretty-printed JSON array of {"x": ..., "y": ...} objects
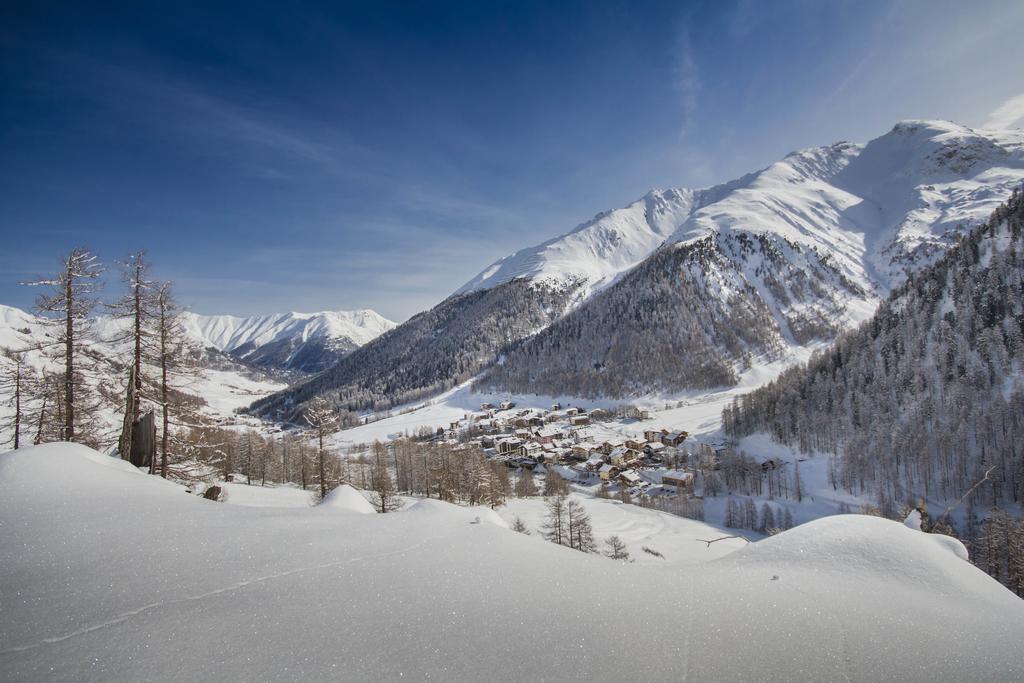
[
  {"x": 654, "y": 434},
  {"x": 506, "y": 405},
  {"x": 486, "y": 406},
  {"x": 608, "y": 472},
  {"x": 579, "y": 420},
  {"x": 599, "y": 414},
  {"x": 630, "y": 478},
  {"x": 635, "y": 444},
  {"x": 654, "y": 448},
  {"x": 556, "y": 406},
  {"x": 769, "y": 465},
  {"x": 607, "y": 447},
  {"x": 512, "y": 446},
  {"x": 583, "y": 448},
  {"x": 674, "y": 438},
  {"x": 594, "y": 463},
  {"x": 569, "y": 412},
  {"x": 623, "y": 457},
  {"x": 680, "y": 480}
]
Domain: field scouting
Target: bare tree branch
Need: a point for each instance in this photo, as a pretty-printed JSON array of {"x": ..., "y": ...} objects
[
  {"x": 957, "y": 504},
  {"x": 716, "y": 540}
]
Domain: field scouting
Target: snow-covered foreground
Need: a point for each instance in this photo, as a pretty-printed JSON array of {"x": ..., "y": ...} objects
[{"x": 109, "y": 574}]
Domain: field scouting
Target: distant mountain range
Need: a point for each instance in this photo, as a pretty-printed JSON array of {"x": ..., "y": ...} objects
[
  {"x": 307, "y": 342},
  {"x": 686, "y": 288}
]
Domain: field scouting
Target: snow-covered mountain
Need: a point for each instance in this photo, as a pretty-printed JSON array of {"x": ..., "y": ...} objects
[
  {"x": 309, "y": 342},
  {"x": 684, "y": 288},
  {"x": 595, "y": 252},
  {"x": 784, "y": 257}
]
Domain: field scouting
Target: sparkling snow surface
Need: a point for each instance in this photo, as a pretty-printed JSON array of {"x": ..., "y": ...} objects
[{"x": 109, "y": 574}]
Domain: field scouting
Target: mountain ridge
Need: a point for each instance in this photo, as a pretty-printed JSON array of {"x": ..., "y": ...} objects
[{"x": 807, "y": 247}]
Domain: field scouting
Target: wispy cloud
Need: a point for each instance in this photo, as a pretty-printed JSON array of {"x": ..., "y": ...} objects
[
  {"x": 1008, "y": 113},
  {"x": 687, "y": 78}
]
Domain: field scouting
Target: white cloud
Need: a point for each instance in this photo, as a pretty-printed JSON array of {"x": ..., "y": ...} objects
[
  {"x": 1008, "y": 113},
  {"x": 687, "y": 78}
]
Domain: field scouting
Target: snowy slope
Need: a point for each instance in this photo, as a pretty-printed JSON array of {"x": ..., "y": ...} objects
[
  {"x": 594, "y": 252},
  {"x": 878, "y": 208},
  {"x": 239, "y": 593},
  {"x": 304, "y": 341}
]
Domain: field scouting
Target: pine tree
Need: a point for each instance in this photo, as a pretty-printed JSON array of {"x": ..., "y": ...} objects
[
  {"x": 615, "y": 548},
  {"x": 381, "y": 482},
  {"x": 67, "y": 309},
  {"x": 554, "y": 484},
  {"x": 749, "y": 514},
  {"x": 525, "y": 486},
  {"x": 136, "y": 309},
  {"x": 323, "y": 420},
  {"x": 555, "y": 527},
  {"x": 787, "y": 522},
  {"x": 581, "y": 533},
  {"x": 798, "y": 489},
  {"x": 732, "y": 514},
  {"x": 17, "y": 382},
  {"x": 518, "y": 525},
  {"x": 767, "y": 519}
]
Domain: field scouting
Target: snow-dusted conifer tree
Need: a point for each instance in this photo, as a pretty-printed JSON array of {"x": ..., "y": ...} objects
[{"x": 323, "y": 421}]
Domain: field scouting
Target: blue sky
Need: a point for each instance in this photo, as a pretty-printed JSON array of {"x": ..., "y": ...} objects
[{"x": 295, "y": 156}]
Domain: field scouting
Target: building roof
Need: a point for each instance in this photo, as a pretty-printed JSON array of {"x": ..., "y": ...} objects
[{"x": 677, "y": 474}]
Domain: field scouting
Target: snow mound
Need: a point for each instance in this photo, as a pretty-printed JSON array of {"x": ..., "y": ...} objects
[
  {"x": 441, "y": 510},
  {"x": 347, "y": 499},
  {"x": 865, "y": 545}
]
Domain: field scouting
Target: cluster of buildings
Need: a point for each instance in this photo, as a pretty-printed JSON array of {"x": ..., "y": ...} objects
[{"x": 580, "y": 444}]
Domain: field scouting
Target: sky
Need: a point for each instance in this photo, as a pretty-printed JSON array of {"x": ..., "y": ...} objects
[{"x": 297, "y": 156}]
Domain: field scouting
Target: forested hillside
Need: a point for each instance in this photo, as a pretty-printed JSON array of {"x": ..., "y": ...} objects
[
  {"x": 927, "y": 396},
  {"x": 686, "y": 318},
  {"x": 431, "y": 352}
]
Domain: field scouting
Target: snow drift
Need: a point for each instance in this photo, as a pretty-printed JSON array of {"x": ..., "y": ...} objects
[
  {"x": 108, "y": 574},
  {"x": 347, "y": 499}
]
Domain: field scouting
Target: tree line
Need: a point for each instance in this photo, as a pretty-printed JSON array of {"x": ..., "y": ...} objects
[{"x": 925, "y": 398}]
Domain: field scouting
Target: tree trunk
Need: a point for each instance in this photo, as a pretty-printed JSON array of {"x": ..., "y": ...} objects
[
  {"x": 69, "y": 360},
  {"x": 163, "y": 395},
  {"x": 42, "y": 418},
  {"x": 17, "y": 405},
  {"x": 323, "y": 469}
]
